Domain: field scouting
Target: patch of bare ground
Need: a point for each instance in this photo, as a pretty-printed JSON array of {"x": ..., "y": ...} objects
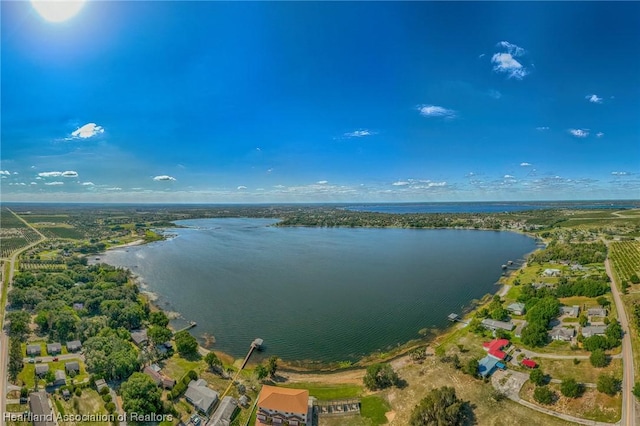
[
  {"x": 340, "y": 377},
  {"x": 592, "y": 405}
]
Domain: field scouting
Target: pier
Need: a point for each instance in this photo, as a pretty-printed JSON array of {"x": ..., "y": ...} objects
[
  {"x": 256, "y": 344},
  {"x": 187, "y": 327}
]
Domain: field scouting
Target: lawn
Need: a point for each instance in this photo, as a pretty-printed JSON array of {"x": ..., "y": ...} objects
[
  {"x": 328, "y": 392},
  {"x": 374, "y": 407},
  {"x": 17, "y": 408},
  {"x": 583, "y": 372},
  {"x": 27, "y": 375},
  {"x": 176, "y": 367},
  {"x": 87, "y": 403}
]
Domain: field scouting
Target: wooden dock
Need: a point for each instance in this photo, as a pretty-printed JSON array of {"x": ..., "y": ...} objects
[
  {"x": 187, "y": 327},
  {"x": 256, "y": 344}
]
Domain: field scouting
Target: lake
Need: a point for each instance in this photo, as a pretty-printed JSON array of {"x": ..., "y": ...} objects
[{"x": 325, "y": 294}]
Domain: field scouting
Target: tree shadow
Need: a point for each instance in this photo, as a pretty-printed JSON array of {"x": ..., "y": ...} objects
[
  {"x": 469, "y": 417},
  {"x": 401, "y": 383}
]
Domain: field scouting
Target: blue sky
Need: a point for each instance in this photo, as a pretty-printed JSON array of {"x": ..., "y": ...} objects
[{"x": 321, "y": 102}]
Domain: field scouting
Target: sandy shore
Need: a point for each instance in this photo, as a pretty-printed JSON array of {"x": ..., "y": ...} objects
[{"x": 131, "y": 244}]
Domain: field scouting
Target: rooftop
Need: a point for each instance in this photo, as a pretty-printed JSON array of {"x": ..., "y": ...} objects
[{"x": 284, "y": 399}]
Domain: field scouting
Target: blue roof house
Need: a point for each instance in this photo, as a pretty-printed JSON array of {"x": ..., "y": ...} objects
[{"x": 486, "y": 366}]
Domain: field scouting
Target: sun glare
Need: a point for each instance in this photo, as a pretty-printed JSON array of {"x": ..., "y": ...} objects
[{"x": 57, "y": 11}]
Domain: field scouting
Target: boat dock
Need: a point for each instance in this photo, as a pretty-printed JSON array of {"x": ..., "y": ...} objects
[
  {"x": 256, "y": 344},
  {"x": 187, "y": 327},
  {"x": 453, "y": 317}
]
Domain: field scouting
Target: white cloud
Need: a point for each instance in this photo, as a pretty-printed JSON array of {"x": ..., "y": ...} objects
[
  {"x": 542, "y": 128},
  {"x": 400, "y": 183},
  {"x": 579, "y": 133},
  {"x": 113, "y": 188},
  {"x": 87, "y": 183},
  {"x": 513, "y": 49},
  {"x": 495, "y": 94},
  {"x": 594, "y": 99},
  {"x": 33, "y": 183},
  {"x": 50, "y": 174},
  {"x": 482, "y": 55},
  {"x": 164, "y": 178},
  {"x": 69, "y": 173},
  {"x": 322, "y": 182},
  {"x": 359, "y": 133},
  {"x": 525, "y": 164},
  {"x": 5, "y": 172},
  {"x": 87, "y": 131},
  {"x": 241, "y": 187},
  {"x": 599, "y": 134},
  {"x": 619, "y": 173},
  {"x": 436, "y": 111},
  {"x": 54, "y": 183},
  {"x": 509, "y": 177},
  {"x": 436, "y": 184},
  {"x": 505, "y": 62}
]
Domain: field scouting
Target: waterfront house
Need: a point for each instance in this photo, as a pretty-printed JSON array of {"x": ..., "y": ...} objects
[
  {"x": 487, "y": 365},
  {"x": 54, "y": 348},
  {"x": 153, "y": 371},
  {"x": 34, "y": 350},
  {"x": 42, "y": 369},
  {"x": 283, "y": 406},
  {"x": 224, "y": 413},
  {"x": 74, "y": 346},
  {"x": 516, "y": 308},
  {"x": 562, "y": 334},
  {"x": 571, "y": 311},
  {"x": 551, "y": 272},
  {"x": 60, "y": 378},
  {"x": 495, "y": 325},
  {"x": 72, "y": 367},
  {"x": 139, "y": 337},
  {"x": 495, "y": 347},
  {"x": 155, "y": 376},
  {"x": 200, "y": 396},
  {"x": 597, "y": 312},
  {"x": 594, "y": 330},
  {"x": 41, "y": 410}
]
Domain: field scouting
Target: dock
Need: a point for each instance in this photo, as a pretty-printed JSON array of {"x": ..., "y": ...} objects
[
  {"x": 453, "y": 317},
  {"x": 256, "y": 344},
  {"x": 187, "y": 327}
]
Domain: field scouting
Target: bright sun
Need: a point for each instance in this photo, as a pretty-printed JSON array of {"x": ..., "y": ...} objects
[{"x": 57, "y": 11}]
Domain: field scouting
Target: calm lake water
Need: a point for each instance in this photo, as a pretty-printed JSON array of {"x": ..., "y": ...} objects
[{"x": 325, "y": 294}]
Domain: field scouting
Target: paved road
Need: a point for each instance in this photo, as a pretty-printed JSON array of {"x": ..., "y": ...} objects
[
  {"x": 4, "y": 339},
  {"x": 628, "y": 399}
]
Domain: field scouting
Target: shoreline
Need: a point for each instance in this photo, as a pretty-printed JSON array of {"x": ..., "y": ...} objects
[{"x": 303, "y": 367}]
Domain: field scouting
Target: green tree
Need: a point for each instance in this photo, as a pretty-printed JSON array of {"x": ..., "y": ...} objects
[
  {"x": 608, "y": 384},
  {"x": 571, "y": 388},
  {"x": 537, "y": 377},
  {"x": 49, "y": 376},
  {"x": 19, "y": 324},
  {"x": 261, "y": 371},
  {"x": 141, "y": 395},
  {"x": 534, "y": 334},
  {"x": 158, "y": 318},
  {"x": 186, "y": 344},
  {"x": 15, "y": 358},
  {"x": 636, "y": 390},
  {"x": 583, "y": 320},
  {"x": 272, "y": 365},
  {"x": 380, "y": 376},
  {"x": 158, "y": 334},
  {"x": 603, "y": 301},
  {"x": 441, "y": 407},
  {"x": 598, "y": 358},
  {"x": 544, "y": 395},
  {"x": 471, "y": 367},
  {"x": 213, "y": 361}
]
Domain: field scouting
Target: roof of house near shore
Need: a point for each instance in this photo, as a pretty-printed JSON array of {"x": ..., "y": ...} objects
[
  {"x": 516, "y": 307},
  {"x": 493, "y": 324},
  {"x": 139, "y": 336},
  {"x": 200, "y": 395},
  {"x": 224, "y": 413},
  {"x": 284, "y": 399}
]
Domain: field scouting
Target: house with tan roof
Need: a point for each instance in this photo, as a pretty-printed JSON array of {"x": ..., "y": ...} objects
[{"x": 278, "y": 405}]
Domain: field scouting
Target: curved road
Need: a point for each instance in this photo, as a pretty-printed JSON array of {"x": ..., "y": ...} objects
[
  {"x": 4, "y": 339},
  {"x": 628, "y": 399}
]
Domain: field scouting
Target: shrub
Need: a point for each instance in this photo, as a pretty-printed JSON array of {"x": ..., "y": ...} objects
[
  {"x": 571, "y": 389},
  {"x": 608, "y": 384},
  {"x": 598, "y": 358},
  {"x": 543, "y": 395}
]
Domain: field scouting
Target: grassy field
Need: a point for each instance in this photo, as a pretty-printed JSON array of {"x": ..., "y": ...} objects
[
  {"x": 327, "y": 392},
  {"x": 17, "y": 408},
  {"x": 27, "y": 375},
  {"x": 625, "y": 259},
  {"x": 582, "y": 372},
  {"x": 87, "y": 403},
  {"x": 592, "y": 405}
]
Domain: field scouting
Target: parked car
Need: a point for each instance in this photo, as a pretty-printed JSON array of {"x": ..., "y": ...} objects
[
  {"x": 32, "y": 361},
  {"x": 55, "y": 358}
]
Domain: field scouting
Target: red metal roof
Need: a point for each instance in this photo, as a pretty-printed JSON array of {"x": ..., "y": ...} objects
[
  {"x": 529, "y": 363},
  {"x": 494, "y": 348}
]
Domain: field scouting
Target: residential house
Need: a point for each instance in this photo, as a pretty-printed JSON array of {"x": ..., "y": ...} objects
[
  {"x": 516, "y": 308},
  {"x": 41, "y": 410},
  {"x": 72, "y": 367},
  {"x": 224, "y": 413},
  {"x": 153, "y": 371},
  {"x": 495, "y": 347},
  {"x": 551, "y": 272},
  {"x": 139, "y": 337},
  {"x": 597, "y": 312},
  {"x": 201, "y": 396},
  {"x": 495, "y": 325},
  {"x": 100, "y": 384},
  {"x": 563, "y": 334},
  {"x": 61, "y": 378},
  {"x": 42, "y": 369},
  {"x": 74, "y": 346},
  {"x": 34, "y": 350},
  {"x": 594, "y": 330},
  {"x": 54, "y": 348},
  {"x": 283, "y": 406},
  {"x": 487, "y": 365},
  {"x": 572, "y": 311}
]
